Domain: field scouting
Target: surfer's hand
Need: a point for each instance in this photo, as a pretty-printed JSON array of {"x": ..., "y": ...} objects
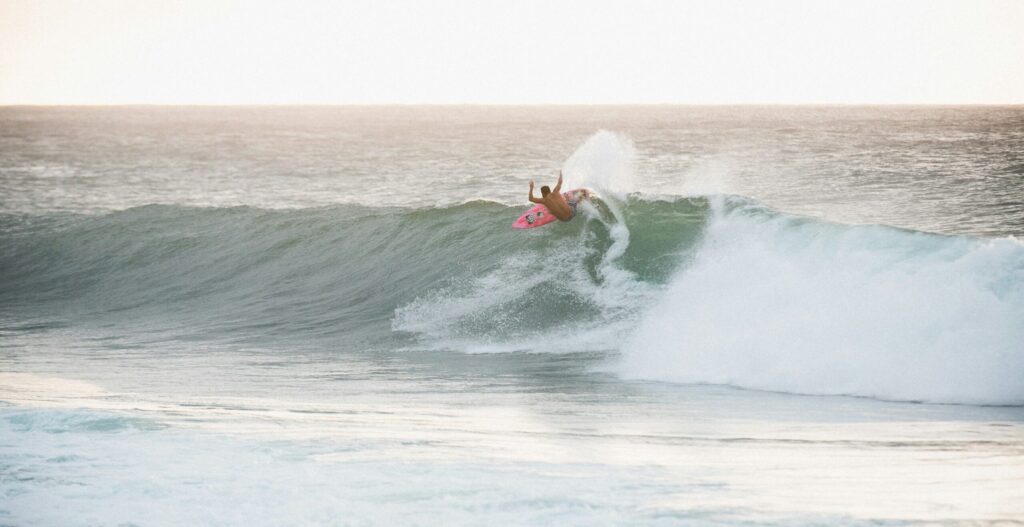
[{"x": 531, "y": 183}]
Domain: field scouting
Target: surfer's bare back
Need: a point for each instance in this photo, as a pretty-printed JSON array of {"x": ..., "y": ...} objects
[{"x": 553, "y": 200}]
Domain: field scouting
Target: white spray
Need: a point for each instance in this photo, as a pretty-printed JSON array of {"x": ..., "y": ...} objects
[{"x": 604, "y": 163}]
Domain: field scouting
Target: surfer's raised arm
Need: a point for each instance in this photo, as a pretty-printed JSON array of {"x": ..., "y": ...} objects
[
  {"x": 533, "y": 199},
  {"x": 558, "y": 186}
]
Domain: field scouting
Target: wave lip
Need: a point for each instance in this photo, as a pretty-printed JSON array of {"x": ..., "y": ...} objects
[{"x": 787, "y": 304}]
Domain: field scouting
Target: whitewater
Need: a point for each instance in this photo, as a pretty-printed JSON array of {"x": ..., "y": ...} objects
[{"x": 322, "y": 316}]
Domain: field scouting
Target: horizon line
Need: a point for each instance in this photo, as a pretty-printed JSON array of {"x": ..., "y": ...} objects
[{"x": 488, "y": 104}]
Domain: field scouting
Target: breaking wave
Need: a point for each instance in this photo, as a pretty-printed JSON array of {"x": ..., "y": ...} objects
[{"x": 694, "y": 290}]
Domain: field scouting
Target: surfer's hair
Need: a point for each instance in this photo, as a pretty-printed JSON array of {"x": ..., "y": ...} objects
[{"x": 545, "y": 190}]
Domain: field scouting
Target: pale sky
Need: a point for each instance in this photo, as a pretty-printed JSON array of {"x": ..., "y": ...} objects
[{"x": 511, "y": 52}]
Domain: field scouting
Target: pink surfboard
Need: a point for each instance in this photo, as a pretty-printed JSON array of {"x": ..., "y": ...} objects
[{"x": 538, "y": 215}]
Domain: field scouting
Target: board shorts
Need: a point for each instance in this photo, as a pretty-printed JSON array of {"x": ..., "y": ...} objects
[{"x": 573, "y": 203}]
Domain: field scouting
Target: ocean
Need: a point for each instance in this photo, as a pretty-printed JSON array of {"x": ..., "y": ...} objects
[{"x": 779, "y": 315}]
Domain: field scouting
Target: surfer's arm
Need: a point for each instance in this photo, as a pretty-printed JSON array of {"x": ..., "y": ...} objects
[
  {"x": 558, "y": 186},
  {"x": 533, "y": 199}
]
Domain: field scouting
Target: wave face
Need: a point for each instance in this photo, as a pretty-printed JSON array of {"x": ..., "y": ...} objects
[
  {"x": 694, "y": 290},
  {"x": 334, "y": 275}
]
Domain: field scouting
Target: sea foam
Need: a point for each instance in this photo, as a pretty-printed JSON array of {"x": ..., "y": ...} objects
[{"x": 789, "y": 304}]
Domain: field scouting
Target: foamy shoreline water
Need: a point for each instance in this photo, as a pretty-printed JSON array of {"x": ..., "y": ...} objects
[{"x": 574, "y": 451}]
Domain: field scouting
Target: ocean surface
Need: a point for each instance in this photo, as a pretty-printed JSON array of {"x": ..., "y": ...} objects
[{"x": 321, "y": 316}]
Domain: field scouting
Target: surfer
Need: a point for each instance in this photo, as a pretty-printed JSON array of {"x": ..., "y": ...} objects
[{"x": 553, "y": 200}]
